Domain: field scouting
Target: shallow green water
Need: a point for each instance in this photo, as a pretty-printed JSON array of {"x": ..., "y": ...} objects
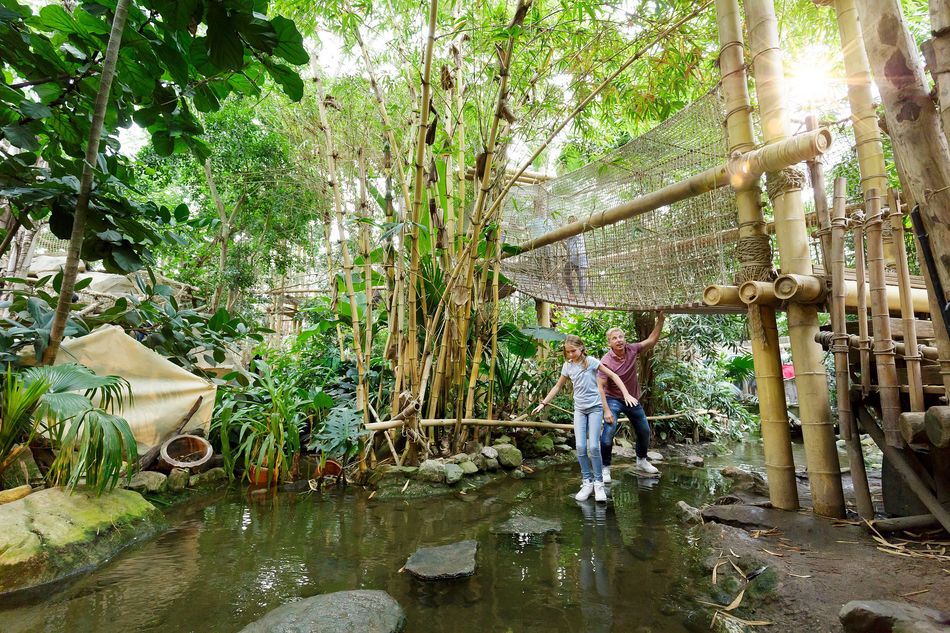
[{"x": 614, "y": 567}]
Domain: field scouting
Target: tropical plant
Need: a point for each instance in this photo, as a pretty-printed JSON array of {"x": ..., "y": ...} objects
[
  {"x": 91, "y": 443},
  {"x": 338, "y": 437}
]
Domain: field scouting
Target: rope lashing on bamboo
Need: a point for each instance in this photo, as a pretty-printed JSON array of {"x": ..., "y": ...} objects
[
  {"x": 788, "y": 179},
  {"x": 754, "y": 253}
]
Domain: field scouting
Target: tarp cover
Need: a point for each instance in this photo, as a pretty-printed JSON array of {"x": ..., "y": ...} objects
[{"x": 162, "y": 392}]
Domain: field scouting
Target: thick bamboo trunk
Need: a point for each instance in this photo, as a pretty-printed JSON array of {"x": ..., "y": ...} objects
[
  {"x": 821, "y": 453},
  {"x": 912, "y": 121},
  {"x": 766, "y": 355},
  {"x": 887, "y": 384},
  {"x": 846, "y": 420}
]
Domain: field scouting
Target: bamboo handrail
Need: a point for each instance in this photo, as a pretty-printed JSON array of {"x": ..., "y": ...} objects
[
  {"x": 516, "y": 423},
  {"x": 825, "y": 338},
  {"x": 737, "y": 171}
]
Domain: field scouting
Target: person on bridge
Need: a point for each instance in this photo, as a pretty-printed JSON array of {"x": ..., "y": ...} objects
[
  {"x": 621, "y": 360},
  {"x": 589, "y": 408},
  {"x": 576, "y": 263}
]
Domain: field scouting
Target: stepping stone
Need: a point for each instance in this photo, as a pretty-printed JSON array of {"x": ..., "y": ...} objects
[
  {"x": 367, "y": 611},
  {"x": 527, "y": 525},
  {"x": 456, "y": 560}
]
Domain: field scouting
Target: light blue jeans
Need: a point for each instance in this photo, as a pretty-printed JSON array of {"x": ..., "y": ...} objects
[{"x": 588, "y": 424}]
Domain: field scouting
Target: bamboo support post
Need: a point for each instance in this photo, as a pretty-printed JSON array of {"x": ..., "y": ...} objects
[
  {"x": 737, "y": 172},
  {"x": 824, "y": 471},
  {"x": 887, "y": 383},
  {"x": 802, "y": 288},
  {"x": 766, "y": 356},
  {"x": 860, "y": 274},
  {"x": 911, "y": 360},
  {"x": 904, "y": 469},
  {"x": 841, "y": 349}
]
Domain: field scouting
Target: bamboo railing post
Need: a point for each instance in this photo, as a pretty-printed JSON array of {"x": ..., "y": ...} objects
[
  {"x": 756, "y": 264},
  {"x": 785, "y": 191},
  {"x": 861, "y": 287},
  {"x": 841, "y": 349},
  {"x": 887, "y": 385},
  {"x": 911, "y": 355}
]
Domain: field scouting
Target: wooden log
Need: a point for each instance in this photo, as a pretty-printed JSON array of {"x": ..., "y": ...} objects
[
  {"x": 146, "y": 460},
  {"x": 912, "y": 427},
  {"x": 899, "y": 524},
  {"x": 904, "y": 469},
  {"x": 937, "y": 424}
]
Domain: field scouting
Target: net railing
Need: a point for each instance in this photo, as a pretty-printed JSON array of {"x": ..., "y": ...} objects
[{"x": 660, "y": 259}]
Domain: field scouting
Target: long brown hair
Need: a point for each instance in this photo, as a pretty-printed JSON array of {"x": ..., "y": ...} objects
[{"x": 576, "y": 343}]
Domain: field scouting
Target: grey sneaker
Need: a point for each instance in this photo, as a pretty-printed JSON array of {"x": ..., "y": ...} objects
[
  {"x": 606, "y": 473},
  {"x": 644, "y": 466},
  {"x": 600, "y": 494},
  {"x": 586, "y": 488}
]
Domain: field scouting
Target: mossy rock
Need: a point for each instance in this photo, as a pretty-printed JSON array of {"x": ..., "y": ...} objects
[
  {"x": 509, "y": 456},
  {"x": 22, "y": 471},
  {"x": 393, "y": 472},
  {"x": 52, "y": 534}
]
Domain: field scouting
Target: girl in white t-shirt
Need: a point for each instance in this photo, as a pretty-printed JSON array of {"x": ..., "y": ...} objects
[{"x": 590, "y": 407}]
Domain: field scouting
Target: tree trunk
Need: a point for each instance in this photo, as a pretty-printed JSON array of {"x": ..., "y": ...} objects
[
  {"x": 85, "y": 186},
  {"x": 912, "y": 120},
  {"x": 937, "y": 53}
]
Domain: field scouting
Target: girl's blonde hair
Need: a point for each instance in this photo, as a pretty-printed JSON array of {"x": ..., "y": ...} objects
[{"x": 576, "y": 343}]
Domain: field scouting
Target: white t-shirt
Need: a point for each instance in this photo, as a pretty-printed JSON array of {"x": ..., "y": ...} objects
[{"x": 586, "y": 394}]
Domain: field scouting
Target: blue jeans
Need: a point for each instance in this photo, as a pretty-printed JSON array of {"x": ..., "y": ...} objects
[
  {"x": 587, "y": 428},
  {"x": 640, "y": 427}
]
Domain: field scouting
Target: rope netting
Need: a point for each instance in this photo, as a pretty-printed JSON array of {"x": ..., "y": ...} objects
[{"x": 660, "y": 259}]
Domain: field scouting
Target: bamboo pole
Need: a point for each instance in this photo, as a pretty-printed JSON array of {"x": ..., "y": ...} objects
[
  {"x": 846, "y": 421},
  {"x": 912, "y": 360},
  {"x": 821, "y": 453},
  {"x": 817, "y": 177},
  {"x": 747, "y": 166},
  {"x": 363, "y": 394},
  {"x": 717, "y": 295},
  {"x": 887, "y": 383},
  {"x": 766, "y": 355},
  {"x": 418, "y": 188},
  {"x": 494, "y": 325},
  {"x": 860, "y": 275},
  {"x": 364, "y": 213},
  {"x": 925, "y": 351},
  {"x": 429, "y": 423}
]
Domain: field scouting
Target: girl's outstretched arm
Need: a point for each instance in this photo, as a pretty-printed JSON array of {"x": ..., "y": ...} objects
[
  {"x": 630, "y": 400},
  {"x": 548, "y": 398}
]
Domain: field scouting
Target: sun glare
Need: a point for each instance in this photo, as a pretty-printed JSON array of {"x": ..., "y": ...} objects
[{"x": 812, "y": 83}]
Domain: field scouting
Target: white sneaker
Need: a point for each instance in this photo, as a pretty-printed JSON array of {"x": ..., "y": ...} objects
[
  {"x": 599, "y": 493},
  {"x": 644, "y": 466},
  {"x": 606, "y": 473},
  {"x": 586, "y": 488}
]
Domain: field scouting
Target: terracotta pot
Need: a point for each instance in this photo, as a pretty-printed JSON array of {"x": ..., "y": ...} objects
[
  {"x": 330, "y": 468},
  {"x": 261, "y": 476}
]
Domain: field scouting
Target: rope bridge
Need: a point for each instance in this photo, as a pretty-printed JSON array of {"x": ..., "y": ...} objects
[{"x": 659, "y": 259}]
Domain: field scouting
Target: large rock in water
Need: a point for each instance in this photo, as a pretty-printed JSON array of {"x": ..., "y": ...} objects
[
  {"x": 366, "y": 611},
  {"x": 884, "y": 616},
  {"x": 527, "y": 525},
  {"x": 509, "y": 456},
  {"x": 52, "y": 534},
  {"x": 456, "y": 560}
]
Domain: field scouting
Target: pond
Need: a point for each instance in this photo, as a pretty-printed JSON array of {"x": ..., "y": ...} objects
[{"x": 629, "y": 565}]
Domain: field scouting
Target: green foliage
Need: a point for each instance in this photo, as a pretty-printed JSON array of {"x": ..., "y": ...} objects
[
  {"x": 50, "y": 73},
  {"x": 339, "y": 436},
  {"x": 91, "y": 442}
]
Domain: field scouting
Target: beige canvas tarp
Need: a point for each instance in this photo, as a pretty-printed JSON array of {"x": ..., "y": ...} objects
[{"x": 162, "y": 391}]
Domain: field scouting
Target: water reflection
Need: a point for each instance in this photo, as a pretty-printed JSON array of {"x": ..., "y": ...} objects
[{"x": 622, "y": 566}]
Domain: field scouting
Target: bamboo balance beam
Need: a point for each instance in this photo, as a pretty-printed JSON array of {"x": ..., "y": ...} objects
[
  {"x": 736, "y": 172},
  {"x": 393, "y": 424}
]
